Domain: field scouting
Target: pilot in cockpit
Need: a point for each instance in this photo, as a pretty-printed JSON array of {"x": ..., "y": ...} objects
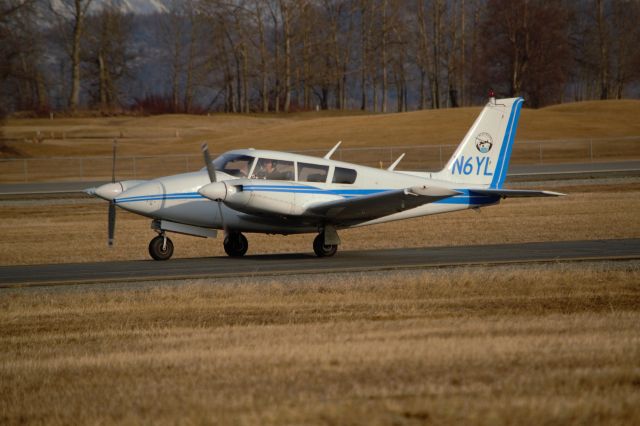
[{"x": 266, "y": 169}]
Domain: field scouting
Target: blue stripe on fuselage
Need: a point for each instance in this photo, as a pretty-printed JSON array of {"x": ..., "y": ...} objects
[{"x": 467, "y": 196}]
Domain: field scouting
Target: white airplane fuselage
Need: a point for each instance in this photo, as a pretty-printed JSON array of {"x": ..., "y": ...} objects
[{"x": 272, "y": 206}]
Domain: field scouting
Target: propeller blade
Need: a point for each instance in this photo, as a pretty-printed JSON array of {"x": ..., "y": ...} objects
[
  {"x": 224, "y": 227},
  {"x": 112, "y": 222},
  {"x": 207, "y": 161},
  {"x": 113, "y": 168},
  {"x": 212, "y": 177}
]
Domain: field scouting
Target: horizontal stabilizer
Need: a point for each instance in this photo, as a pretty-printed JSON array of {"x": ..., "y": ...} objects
[{"x": 504, "y": 193}]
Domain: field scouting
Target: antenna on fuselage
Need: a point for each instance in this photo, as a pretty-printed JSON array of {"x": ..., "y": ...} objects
[
  {"x": 395, "y": 163},
  {"x": 330, "y": 153}
]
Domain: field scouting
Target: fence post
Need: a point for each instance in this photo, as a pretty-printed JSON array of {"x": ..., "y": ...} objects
[{"x": 540, "y": 144}]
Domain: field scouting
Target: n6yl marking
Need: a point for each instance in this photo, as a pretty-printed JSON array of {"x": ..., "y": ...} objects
[{"x": 472, "y": 166}]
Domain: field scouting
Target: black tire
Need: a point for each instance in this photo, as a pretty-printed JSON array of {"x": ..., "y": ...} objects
[
  {"x": 321, "y": 249},
  {"x": 156, "y": 251},
  {"x": 235, "y": 244}
]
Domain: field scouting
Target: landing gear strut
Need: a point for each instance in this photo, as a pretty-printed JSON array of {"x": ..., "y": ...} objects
[
  {"x": 161, "y": 247},
  {"x": 322, "y": 249},
  {"x": 235, "y": 244}
]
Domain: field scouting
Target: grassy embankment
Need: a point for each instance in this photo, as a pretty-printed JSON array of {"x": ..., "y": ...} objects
[
  {"x": 142, "y": 139},
  {"x": 512, "y": 345},
  {"x": 157, "y": 135}
]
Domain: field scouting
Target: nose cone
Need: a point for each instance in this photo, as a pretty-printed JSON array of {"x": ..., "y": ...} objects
[
  {"x": 214, "y": 191},
  {"x": 108, "y": 191},
  {"x": 144, "y": 199},
  {"x": 111, "y": 190}
]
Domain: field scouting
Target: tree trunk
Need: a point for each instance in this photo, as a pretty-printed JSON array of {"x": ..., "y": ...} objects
[
  {"x": 263, "y": 58},
  {"x": 603, "y": 40},
  {"x": 188, "y": 90},
  {"x": 435, "y": 86},
  {"x": 363, "y": 53},
  {"x": 383, "y": 56},
  {"x": 102, "y": 85},
  {"x": 78, "y": 28},
  {"x": 287, "y": 54},
  {"x": 462, "y": 71}
]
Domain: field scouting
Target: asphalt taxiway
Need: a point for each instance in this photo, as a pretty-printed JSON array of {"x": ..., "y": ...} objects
[
  {"x": 516, "y": 173},
  {"x": 307, "y": 263}
]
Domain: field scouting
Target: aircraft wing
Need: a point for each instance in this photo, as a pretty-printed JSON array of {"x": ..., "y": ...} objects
[
  {"x": 504, "y": 193},
  {"x": 368, "y": 207}
]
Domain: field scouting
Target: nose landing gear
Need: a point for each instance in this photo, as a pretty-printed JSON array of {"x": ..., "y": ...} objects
[
  {"x": 161, "y": 247},
  {"x": 235, "y": 244}
]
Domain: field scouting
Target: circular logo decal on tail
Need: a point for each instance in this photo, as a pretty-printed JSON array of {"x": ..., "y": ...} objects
[{"x": 484, "y": 142}]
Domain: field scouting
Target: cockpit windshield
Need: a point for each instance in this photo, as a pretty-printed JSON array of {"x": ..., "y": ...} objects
[{"x": 234, "y": 164}]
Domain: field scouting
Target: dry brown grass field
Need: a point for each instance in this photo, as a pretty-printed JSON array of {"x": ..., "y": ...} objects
[
  {"x": 74, "y": 230},
  {"x": 545, "y": 344},
  {"x": 512, "y": 345},
  {"x": 182, "y": 134}
]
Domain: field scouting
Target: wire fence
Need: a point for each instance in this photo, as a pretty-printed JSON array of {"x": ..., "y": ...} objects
[{"x": 418, "y": 157}]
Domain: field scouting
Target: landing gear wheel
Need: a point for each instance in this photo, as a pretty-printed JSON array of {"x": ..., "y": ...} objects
[
  {"x": 321, "y": 249},
  {"x": 160, "y": 250},
  {"x": 235, "y": 244}
]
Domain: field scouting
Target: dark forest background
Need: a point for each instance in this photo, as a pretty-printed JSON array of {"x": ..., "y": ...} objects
[{"x": 197, "y": 56}]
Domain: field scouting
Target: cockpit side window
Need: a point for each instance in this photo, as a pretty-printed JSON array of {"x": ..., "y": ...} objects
[
  {"x": 271, "y": 169},
  {"x": 312, "y": 172},
  {"x": 234, "y": 164},
  {"x": 342, "y": 175}
]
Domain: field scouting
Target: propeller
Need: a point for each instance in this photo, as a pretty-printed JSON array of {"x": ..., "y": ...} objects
[
  {"x": 207, "y": 161},
  {"x": 112, "y": 203},
  {"x": 212, "y": 177}
]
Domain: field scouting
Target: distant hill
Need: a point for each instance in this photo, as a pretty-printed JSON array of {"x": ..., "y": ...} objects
[{"x": 182, "y": 134}]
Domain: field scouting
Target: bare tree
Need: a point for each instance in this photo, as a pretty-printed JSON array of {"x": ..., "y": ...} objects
[
  {"x": 624, "y": 49},
  {"x": 108, "y": 53},
  {"x": 74, "y": 12},
  {"x": 22, "y": 79},
  {"x": 603, "y": 43},
  {"x": 531, "y": 62}
]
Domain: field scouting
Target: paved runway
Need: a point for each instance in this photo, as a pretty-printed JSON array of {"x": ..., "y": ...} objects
[{"x": 307, "y": 263}]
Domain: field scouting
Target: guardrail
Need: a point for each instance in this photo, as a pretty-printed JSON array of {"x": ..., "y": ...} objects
[{"x": 418, "y": 157}]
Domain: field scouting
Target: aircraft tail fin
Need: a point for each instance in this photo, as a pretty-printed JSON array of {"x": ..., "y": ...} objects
[{"x": 482, "y": 158}]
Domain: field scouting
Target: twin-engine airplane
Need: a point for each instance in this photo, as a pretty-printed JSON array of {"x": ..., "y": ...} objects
[{"x": 251, "y": 190}]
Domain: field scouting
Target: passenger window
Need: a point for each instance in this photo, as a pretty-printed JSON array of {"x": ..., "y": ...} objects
[
  {"x": 341, "y": 175},
  {"x": 274, "y": 169},
  {"x": 312, "y": 172}
]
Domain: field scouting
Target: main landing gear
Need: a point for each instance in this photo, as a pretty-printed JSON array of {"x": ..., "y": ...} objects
[
  {"x": 161, "y": 247},
  {"x": 322, "y": 249},
  {"x": 327, "y": 241},
  {"x": 235, "y": 244}
]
